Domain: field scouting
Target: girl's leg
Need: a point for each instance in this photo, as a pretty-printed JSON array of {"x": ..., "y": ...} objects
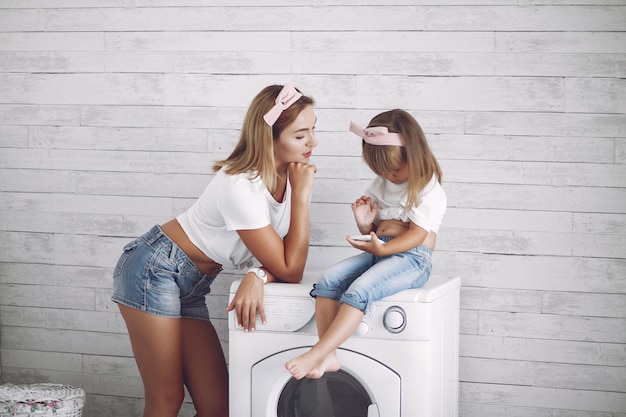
[
  {"x": 341, "y": 328},
  {"x": 205, "y": 372},
  {"x": 333, "y": 282},
  {"x": 389, "y": 276},
  {"x": 156, "y": 343},
  {"x": 326, "y": 310}
]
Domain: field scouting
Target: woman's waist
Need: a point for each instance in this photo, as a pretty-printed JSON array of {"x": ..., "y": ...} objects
[{"x": 175, "y": 232}]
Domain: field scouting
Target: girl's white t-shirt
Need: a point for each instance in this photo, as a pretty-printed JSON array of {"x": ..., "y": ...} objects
[
  {"x": 392, "y": 198},
  {"x": 230, "y": 203}
]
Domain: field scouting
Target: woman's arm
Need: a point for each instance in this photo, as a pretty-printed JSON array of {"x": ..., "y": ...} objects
[
  {"x": 281, "y": 259},
  {"x": 285, "y": 259}
]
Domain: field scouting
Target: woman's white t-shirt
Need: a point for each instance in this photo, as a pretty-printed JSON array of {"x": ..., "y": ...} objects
[
  {"x": 230, "y": 203},
  {"x": 392, "y": 198}
]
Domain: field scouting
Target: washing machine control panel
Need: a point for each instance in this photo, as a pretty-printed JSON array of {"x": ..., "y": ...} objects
[
  {"x": 282, "y": 314},
  {"x": 393, "y": 321}
]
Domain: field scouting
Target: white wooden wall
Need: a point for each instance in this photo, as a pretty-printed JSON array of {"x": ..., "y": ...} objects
[{"x": 111, "y": 112}]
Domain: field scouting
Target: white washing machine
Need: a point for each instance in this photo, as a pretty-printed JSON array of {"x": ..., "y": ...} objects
[{"x": 401, "y": 362}]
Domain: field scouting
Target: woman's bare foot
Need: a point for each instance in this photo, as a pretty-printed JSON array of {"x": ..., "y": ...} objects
[{"x": 329, "y": 364}]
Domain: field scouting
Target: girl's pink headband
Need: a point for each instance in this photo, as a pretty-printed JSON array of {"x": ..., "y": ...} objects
[
  {"x": 287, "y": 96},
  {"x": 377, "y": 135}
]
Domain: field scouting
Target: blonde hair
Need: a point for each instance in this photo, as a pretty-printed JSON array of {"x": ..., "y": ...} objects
[
  {"x": 422, "y": 164},
  {"x": 255, "y": 150}
]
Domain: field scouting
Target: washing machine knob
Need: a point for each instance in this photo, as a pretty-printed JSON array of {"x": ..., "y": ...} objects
[
  {"x": 394, "y": 319},
  {"x": 362, "y": 329}
]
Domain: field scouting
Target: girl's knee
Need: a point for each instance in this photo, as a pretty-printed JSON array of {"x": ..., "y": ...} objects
[
  {"x": 325, "y": 288},
  {"x": 355, "y": 300}
]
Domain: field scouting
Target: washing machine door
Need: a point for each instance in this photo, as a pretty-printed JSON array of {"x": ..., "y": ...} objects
[{"x": 362, "y": 388}]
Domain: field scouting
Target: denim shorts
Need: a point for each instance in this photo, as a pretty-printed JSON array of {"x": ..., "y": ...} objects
[
  {"x": 154, "y": 275},
  {"x": 365, "y": 278}
]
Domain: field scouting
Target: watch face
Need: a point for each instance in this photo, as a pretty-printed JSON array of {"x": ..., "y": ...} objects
[{"x": 261, "y": 272}]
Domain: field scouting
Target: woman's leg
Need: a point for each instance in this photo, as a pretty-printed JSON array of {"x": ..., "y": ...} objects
[
  {"x": 205, "y": 372},
  {"x": 341, "y": 328},
  {"x": 156, "y": 343}
]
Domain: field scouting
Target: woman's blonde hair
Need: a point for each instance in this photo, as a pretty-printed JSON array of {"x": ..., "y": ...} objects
[
  {"x": 422, "y": 164},
  {"x": 255, "y": 150}
]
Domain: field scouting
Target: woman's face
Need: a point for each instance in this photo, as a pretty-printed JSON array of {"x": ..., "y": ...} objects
[{"x": 296, "y": 141}]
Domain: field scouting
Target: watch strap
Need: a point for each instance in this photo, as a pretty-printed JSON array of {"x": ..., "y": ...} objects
[{"x": 260, "y": 273}]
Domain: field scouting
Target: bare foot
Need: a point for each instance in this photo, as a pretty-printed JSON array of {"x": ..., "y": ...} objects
[
  {"x": 299, "y": 367},
  {"x": 329, "y": 364}
]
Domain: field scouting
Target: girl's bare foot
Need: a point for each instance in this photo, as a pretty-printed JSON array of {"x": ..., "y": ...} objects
[
  {"x": 329, "y": 364},
  {"x": 299, "y": 367}
]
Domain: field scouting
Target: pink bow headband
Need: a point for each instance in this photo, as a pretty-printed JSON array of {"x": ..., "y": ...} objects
[
  {"x": 377, "y": 135},
  {"x": 287, "y": 96}
]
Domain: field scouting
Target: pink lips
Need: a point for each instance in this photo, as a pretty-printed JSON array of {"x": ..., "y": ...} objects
[{"x": 308, "y": 154}]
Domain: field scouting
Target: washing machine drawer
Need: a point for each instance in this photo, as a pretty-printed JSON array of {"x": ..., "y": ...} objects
[{"x": 362, "y": 388}]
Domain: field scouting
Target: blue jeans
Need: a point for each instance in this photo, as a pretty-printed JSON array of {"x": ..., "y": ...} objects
[
  {"x": 365, "y": 278},
  {"x": 154, "y": 275}
]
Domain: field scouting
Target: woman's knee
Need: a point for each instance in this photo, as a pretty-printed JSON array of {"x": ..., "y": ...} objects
[
  {"x": 218, "y": 410},
  {"x": 164, "y": 402}
]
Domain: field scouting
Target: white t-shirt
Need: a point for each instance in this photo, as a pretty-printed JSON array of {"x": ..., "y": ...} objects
[
  {"x": 427, "y": 213},
  {"x": 230, "y": 203}
]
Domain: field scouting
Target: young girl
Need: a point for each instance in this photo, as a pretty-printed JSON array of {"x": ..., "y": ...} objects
[
  {"x": 403, "y": 207},
  {"x": 257, "y": 205}
]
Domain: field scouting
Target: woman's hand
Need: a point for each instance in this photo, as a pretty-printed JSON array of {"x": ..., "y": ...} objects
[
  {"x": 301, "y": 179},
  {"x": 364, "y": 211},
  {"x": 247, "y": 301}
]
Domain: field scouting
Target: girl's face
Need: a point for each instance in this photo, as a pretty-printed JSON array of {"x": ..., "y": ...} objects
[
  {"x": 296, "y": 141},
  {"x": 398, "y": 174}
]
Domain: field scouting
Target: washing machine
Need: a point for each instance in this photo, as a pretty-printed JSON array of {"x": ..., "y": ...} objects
[{"x": 402, "y": 361}]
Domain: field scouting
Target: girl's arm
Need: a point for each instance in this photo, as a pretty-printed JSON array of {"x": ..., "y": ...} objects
[
  {"x": 364, "y": 211},
  {"x": 414, "y": 236}
]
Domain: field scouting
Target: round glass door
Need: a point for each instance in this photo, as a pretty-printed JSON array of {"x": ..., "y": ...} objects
[
  {"x": 336, "y": 394},
  {"x": 363, "y": 387}
]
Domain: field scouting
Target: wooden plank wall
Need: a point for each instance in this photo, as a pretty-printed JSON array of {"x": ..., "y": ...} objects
[{"x": 111, "y": 112}]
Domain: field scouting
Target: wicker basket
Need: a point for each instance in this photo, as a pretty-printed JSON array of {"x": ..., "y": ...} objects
[{"x": 39, "y": 400}]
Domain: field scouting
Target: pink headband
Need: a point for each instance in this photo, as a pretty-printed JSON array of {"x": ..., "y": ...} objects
[
  {"x": 287, "y": 96},
  {"x": 378, "y": 135}
]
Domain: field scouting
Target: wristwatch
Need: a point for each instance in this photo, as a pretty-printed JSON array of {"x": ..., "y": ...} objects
[{"x": 260, "y": 273}]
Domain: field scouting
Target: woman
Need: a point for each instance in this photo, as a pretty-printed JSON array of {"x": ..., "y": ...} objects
[{"x": 257, "y": 205}]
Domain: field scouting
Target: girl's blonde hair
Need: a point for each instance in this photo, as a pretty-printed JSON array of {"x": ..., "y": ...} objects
[
  {"x": 255, "y": 150},
  {"x": 416, "y": 153}
]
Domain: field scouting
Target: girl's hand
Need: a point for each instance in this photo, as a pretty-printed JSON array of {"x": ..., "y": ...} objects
[
  {"x": 364, "y": 211},
  {"x": 301, "y": 178},
  {"x": 247, "y": 301},
  {"x": 373, "y": 246}
]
